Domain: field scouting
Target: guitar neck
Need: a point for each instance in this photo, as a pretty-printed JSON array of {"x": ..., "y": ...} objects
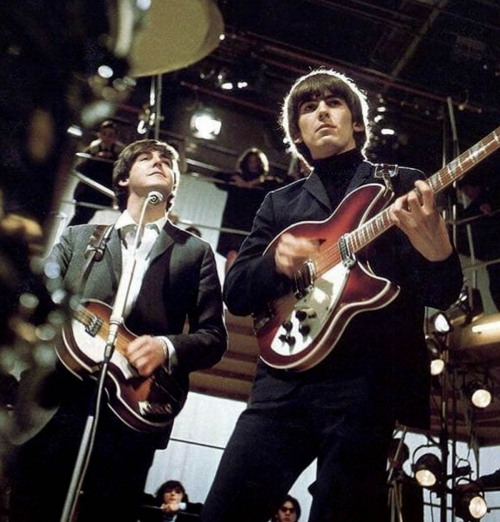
[{"x": 443, "y": 178}]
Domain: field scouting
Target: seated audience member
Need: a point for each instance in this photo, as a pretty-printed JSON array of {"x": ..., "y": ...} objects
[
  {"x": 289, "y": 511},
  {"x": 171, "y": 504}
]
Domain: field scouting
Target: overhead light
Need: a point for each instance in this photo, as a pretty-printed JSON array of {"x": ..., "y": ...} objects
[
  {"x": 428, "y": 470},
  {"x": 204, "y": 124},
  {"x": 486, "y": 327},
  {"x": 481, "y": 398},
  {"x": 387, "y": 131},
  {"x": 469, "y": 502},
  {"x": 441, "y": 323},
  {"x": 436, "y": 350},
  {"x": 479, "y": 393}
]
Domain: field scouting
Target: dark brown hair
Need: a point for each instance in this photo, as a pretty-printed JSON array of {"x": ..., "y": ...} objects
[
  {"x": 126, "y": 159},
  {"x": 293, "y": 501},
  {"x": 243, "y": 160},
  {"x": 170, "y": 485},
  {"x": 314, "y": 85}
]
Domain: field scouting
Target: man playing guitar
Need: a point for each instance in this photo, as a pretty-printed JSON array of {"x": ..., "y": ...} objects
[
  {"x": 175, "y": 280},
  {"x": 308, "y": 400}
]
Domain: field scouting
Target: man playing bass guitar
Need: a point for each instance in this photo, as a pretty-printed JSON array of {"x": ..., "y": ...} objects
[
  {"x": 175, "y": 280},
  {"x": 331, "y": 388}
]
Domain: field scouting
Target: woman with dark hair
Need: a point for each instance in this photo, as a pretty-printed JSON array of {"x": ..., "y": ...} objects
[
  {"x": 246, "y": 189},
  {"x": 289, "y": 511},
  {"x": 171, "y": 505}
]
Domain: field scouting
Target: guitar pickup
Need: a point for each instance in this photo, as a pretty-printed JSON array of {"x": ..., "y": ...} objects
[{"x": 304, "y": 280}]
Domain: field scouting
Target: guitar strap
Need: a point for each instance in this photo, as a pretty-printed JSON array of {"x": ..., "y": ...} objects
[
  {"x": 386, "y": 172},
  {"x": 94, "y": 252}
]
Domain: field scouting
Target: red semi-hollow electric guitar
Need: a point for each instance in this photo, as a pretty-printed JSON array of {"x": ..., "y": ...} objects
[{"x": 300, "y": 329}]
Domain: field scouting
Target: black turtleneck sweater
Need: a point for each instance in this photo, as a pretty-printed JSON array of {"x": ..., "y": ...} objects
[{"x": 336, "y": 173}]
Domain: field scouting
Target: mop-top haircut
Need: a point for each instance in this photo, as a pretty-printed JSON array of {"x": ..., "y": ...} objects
[
  {"x": 317, "y": 84},
  {"x": 126, "y": 159}
]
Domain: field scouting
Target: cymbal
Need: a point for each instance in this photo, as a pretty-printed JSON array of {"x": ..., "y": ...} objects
[{"x": 175, "y": 34}]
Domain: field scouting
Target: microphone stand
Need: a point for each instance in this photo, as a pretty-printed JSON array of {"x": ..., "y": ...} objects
[{"x": 115, "y": 321}]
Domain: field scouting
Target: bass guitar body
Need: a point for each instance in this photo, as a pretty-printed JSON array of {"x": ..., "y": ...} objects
[{"x": 145, "y": 404}]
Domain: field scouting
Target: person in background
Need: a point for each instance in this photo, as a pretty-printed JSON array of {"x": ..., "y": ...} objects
[
  {"x": 174, "y": 311},
  {"x": 171, "y": 504},
  {"x": 104, "y": 151},
  {"x": 246, "y": 189},
  {"x": 342, "y": 407},
  {"x": 289, "y": 511},
  {"x": 482, "y": 214}
]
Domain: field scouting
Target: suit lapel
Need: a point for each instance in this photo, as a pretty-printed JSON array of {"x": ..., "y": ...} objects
[
  {"x": 316, "y": 188},
  {"x": 362, "y": 176},
  {"x": 114, "y": 252},
  {"x": 164, "y": 241}
]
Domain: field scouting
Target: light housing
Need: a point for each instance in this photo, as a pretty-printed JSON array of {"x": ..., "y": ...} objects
[
  {"x": 436, "y": 349},
  {"x": 479, "y": 393},
  {"x": 205, "y": 124},
  {"x": 428, "y": 470},
  {"x": 469, "y": 502}
]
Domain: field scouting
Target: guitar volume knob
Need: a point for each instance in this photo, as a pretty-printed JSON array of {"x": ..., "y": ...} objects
[
  {"x": 301, "y": 315},
  {"x": 304, "y": 329}
]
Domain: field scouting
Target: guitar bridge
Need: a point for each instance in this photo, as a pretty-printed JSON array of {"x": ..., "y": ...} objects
[
  {"x": 348, "y": 259},
  {"x": 304, "y": 279},
  {"x": 93, "y": 326}
]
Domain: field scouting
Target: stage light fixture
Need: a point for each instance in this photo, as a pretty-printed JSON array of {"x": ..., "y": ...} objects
[
  {"x": 427, "y": 470},
  {"x": 204, "y": 124},
  {"x": 436, "y": 350},
  {"x": 492, "y": 326},
  {"x": 441, "y": 323},
  {"x": 469, "y": 502},
  {"x": 479, "y": 393}
]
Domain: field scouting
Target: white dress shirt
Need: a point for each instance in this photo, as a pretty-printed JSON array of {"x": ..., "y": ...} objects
[{"x": 127, "y": 229}]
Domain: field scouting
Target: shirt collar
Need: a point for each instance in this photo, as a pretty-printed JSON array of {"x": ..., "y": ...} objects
[{"x": 126, "y": 219}]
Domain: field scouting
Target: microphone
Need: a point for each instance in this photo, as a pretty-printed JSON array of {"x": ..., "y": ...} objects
[{"x": 155, "y": 197}]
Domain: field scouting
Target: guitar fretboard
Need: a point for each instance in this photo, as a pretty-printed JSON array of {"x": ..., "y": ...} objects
[{"x": 444, "y": 177}]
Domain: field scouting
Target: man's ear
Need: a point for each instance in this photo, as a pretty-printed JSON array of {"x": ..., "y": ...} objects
[{"x": 358, "y": 127}]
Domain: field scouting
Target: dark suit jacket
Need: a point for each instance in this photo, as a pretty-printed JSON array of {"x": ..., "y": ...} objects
[
  {"x": 181, "y": 284},
  {"x": 395, "y": 332}
]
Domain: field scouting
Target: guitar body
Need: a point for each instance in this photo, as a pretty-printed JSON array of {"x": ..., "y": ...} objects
[
  {"x": 299, "y": 330},
  {"x": 145, "y": 404}
]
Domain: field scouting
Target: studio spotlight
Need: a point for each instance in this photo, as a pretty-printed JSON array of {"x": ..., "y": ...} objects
[
  {"x": 441, "y": 323},
  {"x": 204, "y": 124},
  {"x": 469, "y": 502},
  {"x": 436, "y": 350},
  {"x": 479, "y": 393},
  {"x": 427, "y": 470}
]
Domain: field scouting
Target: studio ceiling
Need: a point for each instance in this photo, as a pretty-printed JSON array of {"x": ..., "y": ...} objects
[{"x": 430, "y": 62}]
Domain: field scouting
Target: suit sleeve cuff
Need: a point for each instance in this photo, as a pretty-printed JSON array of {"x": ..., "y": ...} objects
[{"x": 171, "y": 360}]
